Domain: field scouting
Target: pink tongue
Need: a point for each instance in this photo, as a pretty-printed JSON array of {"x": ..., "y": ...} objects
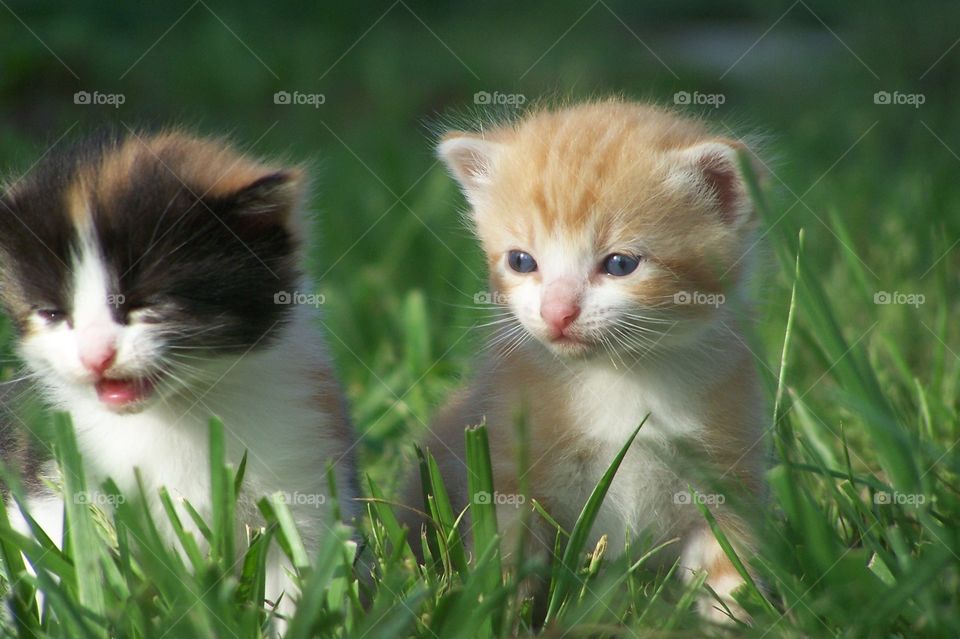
[{"x": 120, "y": 392}]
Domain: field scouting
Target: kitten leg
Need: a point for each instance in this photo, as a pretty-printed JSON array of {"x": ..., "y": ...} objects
[{"x": 702, "y": 553}]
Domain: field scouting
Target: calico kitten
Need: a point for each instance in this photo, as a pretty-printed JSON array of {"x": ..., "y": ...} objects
[
  {"x": 617, "y": 239},
  {"x": 150, "y": 280}
]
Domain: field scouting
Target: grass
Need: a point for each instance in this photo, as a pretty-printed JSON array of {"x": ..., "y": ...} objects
[{"x": 862, "y": 534}]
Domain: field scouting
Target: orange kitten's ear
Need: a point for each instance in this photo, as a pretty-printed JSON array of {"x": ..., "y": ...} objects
[
  {"x": 469, "y": 158},
  {"x": 713, "y": 170}
]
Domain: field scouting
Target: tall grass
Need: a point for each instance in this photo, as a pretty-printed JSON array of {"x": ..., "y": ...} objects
[{"x": 858, "y": 540}]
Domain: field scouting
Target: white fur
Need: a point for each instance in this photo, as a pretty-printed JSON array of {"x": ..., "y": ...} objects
[
  {"x": 266, "y": 399},
  {"x": 609, "y": 403}
]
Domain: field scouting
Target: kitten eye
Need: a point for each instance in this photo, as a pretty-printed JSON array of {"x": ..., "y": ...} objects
[
  {"x": 144, "y": 313},
  {"x": 620, "y": 265},
  {"x": 521, "y": 262},
  {"x": 51, "y": 315},
  {"x": 142, "y": 316}
]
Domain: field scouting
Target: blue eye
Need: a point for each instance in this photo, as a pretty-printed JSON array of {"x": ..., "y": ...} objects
[
  {"x": 521, "y": 262},
  {"x": 620, "y": 265}
]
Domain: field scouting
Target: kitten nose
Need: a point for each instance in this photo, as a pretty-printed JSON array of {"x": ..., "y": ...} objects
[
  {"x": 97, "y": 361},
  {"x": 559, "y": 313}
]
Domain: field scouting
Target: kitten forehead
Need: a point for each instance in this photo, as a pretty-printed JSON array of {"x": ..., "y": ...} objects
[
  {"x": 615, "y": 176},
  {"x": 204, "y": 167},
  {"x": 593, "y": 160},
  {"x": 91, "y": 285},
  {"x": 208, "y": 167}
]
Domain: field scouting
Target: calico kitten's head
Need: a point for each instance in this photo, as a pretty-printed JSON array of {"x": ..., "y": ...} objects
[
  {"x": 609, "y": 226},
  {"x": 130, "y": 263}
]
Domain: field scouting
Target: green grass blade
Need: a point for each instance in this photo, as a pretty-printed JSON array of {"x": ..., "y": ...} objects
[
  {"x": 386, "y": 517},
  {"x": 486, "y": 541},
  {"x": 85, "y": 544},
  {"x": 187, "y": 542},
  {"x": 22, "y": 598},
  {"x": 276, "y": 511},
  {"x": 446, "y": 519},
  {"x": 480, "y": 488},
  {"x": 581, "y": 530},
  {"x": 222, "y": 495},
  {"x": 431, "y": 534},
  {"x": 316, "y": 584},
  {"x": 252, "y": 582},
  {"x": 780, "y": 421}
]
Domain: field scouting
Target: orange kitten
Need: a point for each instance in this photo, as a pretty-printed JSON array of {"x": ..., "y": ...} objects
[{"x": 616, "y": 237}]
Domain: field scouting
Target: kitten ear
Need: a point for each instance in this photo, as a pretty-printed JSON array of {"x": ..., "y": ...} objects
[
  {"x": 268, "y": 202},
  {"x": 712, "y": 169},
  {"x": 469, "y": 159},
  {"x": 274, "y": 195}
]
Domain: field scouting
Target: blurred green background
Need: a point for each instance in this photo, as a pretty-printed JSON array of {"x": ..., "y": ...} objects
[{"x": 398, "y": 268}]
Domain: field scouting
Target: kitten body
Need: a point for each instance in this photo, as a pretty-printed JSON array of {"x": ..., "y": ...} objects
[
  {"x": 629, "y": 299},
  {"x": 150, "y": 279}
]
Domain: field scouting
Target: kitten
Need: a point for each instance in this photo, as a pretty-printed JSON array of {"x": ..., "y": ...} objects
[
  {"x": 150, "y": 281},
  {"x": 616, "y": 237}
]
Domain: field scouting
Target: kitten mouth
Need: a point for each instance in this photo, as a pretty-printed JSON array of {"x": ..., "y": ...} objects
[
  {"x": 123, "y": 393},
  {"x": 568, "y": 344},
  {"x": 565, "y": 339}
]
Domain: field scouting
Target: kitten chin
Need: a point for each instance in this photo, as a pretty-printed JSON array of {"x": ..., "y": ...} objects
[
  {"x": 617, "y": 238},
  {"x": 148, "y": 277}
]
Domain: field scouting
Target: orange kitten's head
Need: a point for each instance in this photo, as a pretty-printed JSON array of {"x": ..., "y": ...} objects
[{"x": 607, "y": 226}]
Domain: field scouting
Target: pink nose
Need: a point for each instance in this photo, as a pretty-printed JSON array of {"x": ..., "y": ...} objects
[
  {"x": 559, "y": 314},
  {"x": 99, "y": 360}
]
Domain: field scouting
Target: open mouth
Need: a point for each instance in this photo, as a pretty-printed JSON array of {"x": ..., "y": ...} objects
[{"x": 124, "y": 393}]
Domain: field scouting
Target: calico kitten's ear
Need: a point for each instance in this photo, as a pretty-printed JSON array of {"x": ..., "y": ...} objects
[
  {"x": 276, "y": 194},
  {"x": 271, "y": 200},
  {"x": 469, "y": 158},
  {"x": 713, "y": 170}
]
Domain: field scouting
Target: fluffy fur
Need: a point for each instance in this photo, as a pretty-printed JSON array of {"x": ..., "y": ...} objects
[
  {"x": 571, "y": 187},
  {"x": 145, "y": 275}
]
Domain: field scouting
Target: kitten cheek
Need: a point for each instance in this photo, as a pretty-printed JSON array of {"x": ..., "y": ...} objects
[
  {"x": 53, "y": 353},
  {"x": 139, "y": 350}
]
